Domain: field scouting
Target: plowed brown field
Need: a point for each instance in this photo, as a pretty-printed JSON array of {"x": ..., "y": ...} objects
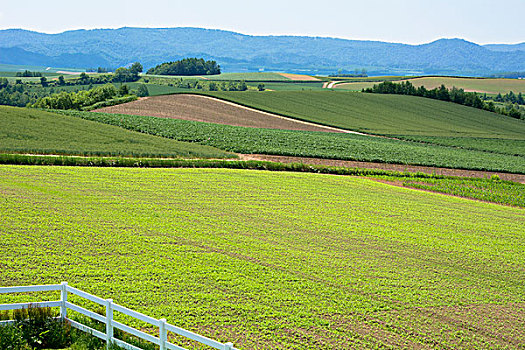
[{"x": 211, "y": 110}]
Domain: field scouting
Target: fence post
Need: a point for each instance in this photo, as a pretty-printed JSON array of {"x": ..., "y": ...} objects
[
  {"x": 163, "y": 334},
  {"x": 109, "y": 322},
  {"x": 228, "y": 346},
  {"x": 63, "y": 299}
]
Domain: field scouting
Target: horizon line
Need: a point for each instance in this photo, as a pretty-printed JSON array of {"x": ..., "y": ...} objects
[{"x": 264, "y": 35}]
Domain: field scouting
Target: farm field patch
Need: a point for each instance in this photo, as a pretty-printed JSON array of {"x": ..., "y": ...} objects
[
  {"x": 311, "y": 144},
  {"x": 485, "y": 85},
  {"x": 33, "y": 131},
  {"x": 299, "y": 77},
  {"x": 481, "y": 85},
  {"x": 205, "y": 109},
  {"x": 247, "y": 77},
  {"x": 382, "y": 114},
  {"x": 272, "y": 260}
]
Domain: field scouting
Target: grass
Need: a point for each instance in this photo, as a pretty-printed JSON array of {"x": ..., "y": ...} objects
[
  {"x": 272, "y": 260},
  {"x": 38, "y": 132},
  {"x": 382, "y": 114},
  {"x": 311, "y": 144}
]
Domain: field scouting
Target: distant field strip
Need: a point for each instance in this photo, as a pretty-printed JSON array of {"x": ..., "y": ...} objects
[
  {"x": 272, "y": 260},
  {"x": 205, "y": 109},
  {"x": 382, "y": 114},
  {"x": 311, "y": 144},
  {"x": 25, "y": 130},
  {"x": 299, "y": 77},
  {"x": 485, "y": 85},
  {"x": 489, "y": 86}
]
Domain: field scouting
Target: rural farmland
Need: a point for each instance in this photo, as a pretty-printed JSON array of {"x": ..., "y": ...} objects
[
  {"x": 273, "y": 259},
  {"x": 188, "y": 188}
]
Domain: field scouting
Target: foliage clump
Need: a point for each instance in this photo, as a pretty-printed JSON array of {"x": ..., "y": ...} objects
[{"x": 187, "y": 66}]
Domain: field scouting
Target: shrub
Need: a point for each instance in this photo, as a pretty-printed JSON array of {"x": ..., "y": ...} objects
[
  {"x": 11, "y": 338},
  {"x": 40, "y": 329}
]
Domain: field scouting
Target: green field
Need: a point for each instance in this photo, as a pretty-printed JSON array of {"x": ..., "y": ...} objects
[
  {"x": 33, "y": 131},
  {"x": 382, "y": 114},
  {"x": 227, "y": 76},
  {"x": 482, "y": 85},
  {"x": 272, "y": 260},
  {"x": 311, "y": 144},
  {"x": 292, "y": 86},
  {"x": 248, "y": 77},
  {"x": 21, "y": 68}
]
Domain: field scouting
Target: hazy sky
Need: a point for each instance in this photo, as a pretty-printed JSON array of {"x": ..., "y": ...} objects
[{"x": 408, "y": 21}]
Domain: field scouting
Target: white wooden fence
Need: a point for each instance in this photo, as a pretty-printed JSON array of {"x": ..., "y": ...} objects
[{"x": 64, "y": 304}]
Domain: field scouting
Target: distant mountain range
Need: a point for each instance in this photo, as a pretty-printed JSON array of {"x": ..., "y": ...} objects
[{"x": 238, "y": 52}]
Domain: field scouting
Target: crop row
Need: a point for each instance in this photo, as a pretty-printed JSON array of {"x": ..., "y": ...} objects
[{"x": 311, "y": 144}]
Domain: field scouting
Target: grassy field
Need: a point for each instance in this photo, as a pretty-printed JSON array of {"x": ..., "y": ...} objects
[
  {"x": 294, "y": 86},
  {"x": 33, "y": 131},
  {"x": 21, "y": 68},
  {"x": 229, "y": 76},
  {"x": 311, "y": 144},
  {"x": 382, "y": 114},
  {"x": 482, "y": 85},
  {"x": 272, "y": 260}
]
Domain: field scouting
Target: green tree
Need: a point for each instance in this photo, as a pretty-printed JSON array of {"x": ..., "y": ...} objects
[
  {"x": 260, "y": 87},
  {"x": 142, "y": 91},
  {"x": 61, "y": 80},
  {"x": 123, "y": 90},
  {"x": 43, "y": 81}
]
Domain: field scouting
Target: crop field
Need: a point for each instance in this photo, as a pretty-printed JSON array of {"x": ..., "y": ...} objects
[
  {"x": 311, "y": 144},
  {"x": 292, "y": 86},
  {"x": 205, "y": 109},
  {"x": 481, "y": 85},
  {"x": 37, "y": 132},
  {"x": 511, "y": 147},
  {"x": 485, "y": 85},
  {"x": 382, "y": 114},
  {"x": 21, "y": 68},
  {"x": 272, "y": 260},
  {"x": 248, "y": 77}
]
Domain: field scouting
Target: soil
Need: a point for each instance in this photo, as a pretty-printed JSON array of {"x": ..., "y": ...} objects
[{"x": 384, "y": 166}]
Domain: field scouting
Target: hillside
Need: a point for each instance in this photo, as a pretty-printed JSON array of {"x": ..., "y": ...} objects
[
  {"x": 234, "y": 51},
  {"x": 37, "y": 132},
  {"x": 382, "y": 114}
]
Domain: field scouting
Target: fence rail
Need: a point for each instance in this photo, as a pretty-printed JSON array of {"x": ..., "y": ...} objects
[{"x": 64, "y": 304}]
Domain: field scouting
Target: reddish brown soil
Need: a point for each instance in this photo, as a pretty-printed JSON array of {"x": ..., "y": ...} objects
[
  {"x": 394, "y": 167},
  {"x": 206, "y": 109}
]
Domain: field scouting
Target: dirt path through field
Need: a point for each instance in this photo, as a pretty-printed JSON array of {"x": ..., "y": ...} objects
[
  {"x": 212, "y": 110},
  {"x": 330, "y": 85},
  {"x": 384, "y": 166}
]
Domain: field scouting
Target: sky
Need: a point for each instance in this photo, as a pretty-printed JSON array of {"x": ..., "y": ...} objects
[{"x": 404, "y": 21}]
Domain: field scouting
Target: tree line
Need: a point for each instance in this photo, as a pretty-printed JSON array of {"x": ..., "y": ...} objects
[
  {"x": 454, "y": 95},
  {"x": 187, "y": 66},
  {"x": 81, "y": 99},
  {"x": 28, "y": 74}
]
